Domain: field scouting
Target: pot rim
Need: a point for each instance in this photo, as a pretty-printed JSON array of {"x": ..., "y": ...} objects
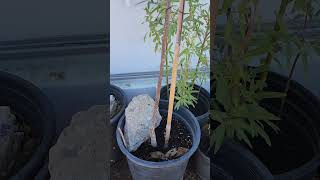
[
  {"x": 119, "y": 91},
  {"x": 169, "y": 163}
]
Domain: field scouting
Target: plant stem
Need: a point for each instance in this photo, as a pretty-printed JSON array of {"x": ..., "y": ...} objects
[
  {"x": 163, "y": 59},
  {"x": 292, "y": 69},
  {"x": 213, "y": 24},
  {"x": 269, "y": 57},
  {"x": 288, "y": 83},
  {"x": 201, "y": 51},
  {"x": 174, "y": 71}
]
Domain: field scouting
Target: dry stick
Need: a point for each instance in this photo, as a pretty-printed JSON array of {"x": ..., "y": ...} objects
[
  {"x": 163, "y": 59},
  {"x": 122, "y": 137},
  {"x": 174, "y": 71}
]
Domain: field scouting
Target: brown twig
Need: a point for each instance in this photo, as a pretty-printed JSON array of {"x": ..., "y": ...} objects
[
  {"x": 174, "y": 71},
  {"x": 163, "y": 60}
]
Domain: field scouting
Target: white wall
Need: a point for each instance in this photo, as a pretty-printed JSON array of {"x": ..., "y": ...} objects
[{"x": 128, "y": 51}]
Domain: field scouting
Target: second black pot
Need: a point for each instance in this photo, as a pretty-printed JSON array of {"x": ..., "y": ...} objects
[
  {"x": 121, "y": 97},
  {"x": 201, "y": 109},
  {"x": 295, "y": 151}
]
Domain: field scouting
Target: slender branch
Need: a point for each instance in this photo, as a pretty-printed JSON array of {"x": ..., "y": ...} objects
[
  {"x": 201, "y": 51},
  {"x": 213, "y": 24},
  {"x": 281, "y": 13},
  {"x": 283, "y": 101},
  {"x": 163, "y": 60},
  {"x": 174, "y": 71},
  {"x": 288, "y": 82}
]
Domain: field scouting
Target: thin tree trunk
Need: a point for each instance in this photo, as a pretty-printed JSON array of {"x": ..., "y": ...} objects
[
  {"x": 213, "y": 24},
  {"x": 174, "y": 71},
  {"x": 163, "y": 60}
]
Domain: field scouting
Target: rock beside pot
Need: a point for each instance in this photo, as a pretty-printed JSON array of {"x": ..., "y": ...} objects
[
  {"x": 80, "y": 152},
  {"x": 10, "y": 140}
]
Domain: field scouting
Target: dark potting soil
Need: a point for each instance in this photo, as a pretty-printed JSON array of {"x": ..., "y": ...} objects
[
  {"x": 179, "y": 137},
  {"x": 290, "y": 148},
  {"x": 30, "y": 142}
]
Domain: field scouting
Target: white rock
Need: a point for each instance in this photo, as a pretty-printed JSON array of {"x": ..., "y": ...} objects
[{"x": 139, "y": 121}]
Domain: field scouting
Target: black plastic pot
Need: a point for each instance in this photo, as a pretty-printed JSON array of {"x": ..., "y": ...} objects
[
  {"x": 294, "y": 153},
  {"x": 238, "y": 163},
  {"x": 27, "y": 102},
  {"x": 201, "y": 164},
  {"x": 201, "y": 109},
  {"x": 166, "y": 170},
  {"x": 121, "y": 97}
]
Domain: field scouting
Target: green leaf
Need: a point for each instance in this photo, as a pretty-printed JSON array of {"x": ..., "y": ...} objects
[
  {"x": 253, "y": 111},
  {"x": 222, "y": 94},
  {"x": 218, "y": 115},
  {"x": 264, "y": 135},
  {"x": 272, "y": 125},
  {"x": 219, "y": 135},
  {"x": 242, "y": 136}
]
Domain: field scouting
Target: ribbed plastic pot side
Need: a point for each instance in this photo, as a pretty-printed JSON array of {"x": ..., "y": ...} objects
[
  {"x": 121, "y": 97},
  {"x": 168, "y": 170}
]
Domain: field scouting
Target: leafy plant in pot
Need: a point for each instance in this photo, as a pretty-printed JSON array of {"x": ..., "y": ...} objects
[
  {"x": 167, "y": 154},
  {"x": 252, "y": 105},
  {"x": 195, "y": 38}
]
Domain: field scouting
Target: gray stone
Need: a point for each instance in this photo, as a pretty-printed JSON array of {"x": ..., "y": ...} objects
[
  {"x": 10, "y": 140},
  {"x": 82, "y": 148},
  {"x": 139, "y": 121}
]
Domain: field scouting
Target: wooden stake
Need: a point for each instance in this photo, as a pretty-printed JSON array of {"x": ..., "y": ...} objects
[
  {"x": 174, "y": 71},
  {"x": 163, "y": 59},
  {"x": 122, "y": 137}
]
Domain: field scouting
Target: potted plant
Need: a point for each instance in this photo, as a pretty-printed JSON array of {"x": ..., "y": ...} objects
[
  {"x": 271, "y": 115},
  {"x": 167, "y": 153},
  {"x": 195, "y": 39}
]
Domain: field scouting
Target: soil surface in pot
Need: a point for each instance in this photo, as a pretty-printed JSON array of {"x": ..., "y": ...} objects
[
  {"x": 291, "y": 147},
  {"x": 23, "y": 151},
  {"x": 120, "y": 171},
  {"x": 180, "y": 138}
]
